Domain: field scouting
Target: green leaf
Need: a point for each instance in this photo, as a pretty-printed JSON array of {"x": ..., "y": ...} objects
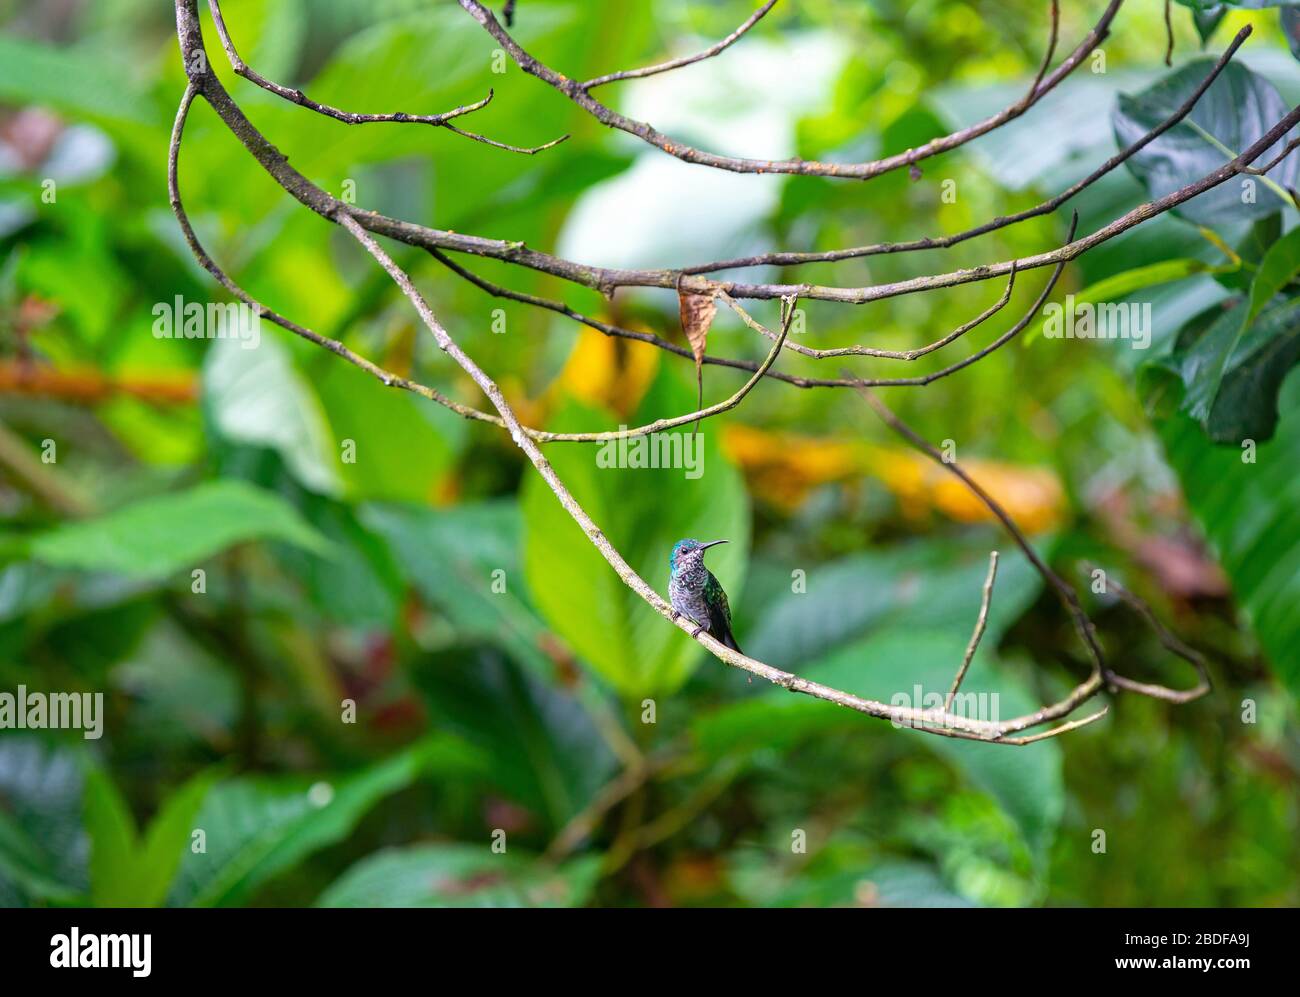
[
  {"x": 891, "y": 883},
  {"x": 465, "y": 561},
  {"x": 1207, "y": 19},
  {"x": 1290, "y": 16},
  {"x": 1026, "y": 782},
  {"x": 1278, "y": 268},
  {"x": 158, "y": 536},
  {"x": 112, "y": 842},
  {"x": 1263, "y": 233},
  {"x": 1247, "y": 512},
  {"x": 81, "y": 83},
  {"x": 1230, "y": 379},
  {"x": 257, "y": 397},
  {"x": 258, "y": 827},
  {"x": 643, "y": 511},
  {"x": 359, "y": 583},
  {"x": 42, "y": 842},
  {"x": 544, "y": 750},
  {"x": 1280, "y": 265},
  {"x": 127, "y": 872},
  {"x": 1237, "y": 110},
  {"x": 1139, "y": 277},
  {"x": 456, "y": 875},
  {"x": 362, "y": 410},
  {"x": 927, "y": 585},
  {"x": 169, "y": 835}
]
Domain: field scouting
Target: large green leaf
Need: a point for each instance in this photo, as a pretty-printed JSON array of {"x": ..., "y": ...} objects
[
  {"x": 928, "y": 585},
  {"x": 1248, "y": 513},
  {"x": 544, "y": 749},
  {"x": 1229, "y": 377},
  {"x": 643, "y": 512},
  {"x": 258, "y": 827},
  {"x": 158, "y": 536},
  {"x": 83, "y": 83},
  {"x": 904, "y": 662},
  {"x": 257, "y": 397},
  {"x": 465, "y": 561},
  {"x": 1258, "y": 357},
  {"x": 1236, "y": 111},
  {"x": 365, "y": 412},
  {"x": 458, "y": 875}
]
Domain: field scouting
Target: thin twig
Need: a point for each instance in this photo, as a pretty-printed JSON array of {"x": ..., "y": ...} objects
[
  {"x": 868, "y": 351},
  {"x": 686, "y": 60},
  {"x": 981, "y": 622},
  {"x": 1170, "y": 642},
  {"x": 1028, "y": 98},
  {"x": 388, "y": 378},
  {"x": 295, "y": 96},
  {"x": 606, "y": 115},
  {"x": 789, "y": 259},
  {"x": 1169, "y": 33},
  {"x": 560, "y": 308}
]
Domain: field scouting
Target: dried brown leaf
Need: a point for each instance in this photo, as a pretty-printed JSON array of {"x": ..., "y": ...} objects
[{"x": 697, "y": 311}]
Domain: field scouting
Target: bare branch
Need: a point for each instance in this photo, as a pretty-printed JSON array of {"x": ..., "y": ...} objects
[
  {"x": 931, "y": 721},
  {"x": 1028, "y": 99},
  {"x": 789, "y": 259},
  {"x": 981, "y": 622},
  {"x": 577, "y": 93},
  {"x": 496, "y": 290},
  {"x": 663, "y": 67},
  {"x": 1169, "y": 33},
  {"x": 924, "y": 379},
  {"x": 867, "y": 351},
  {"x": 1171, "y": 643},
  {"x": 294, "y": 96},
  {"x": 388, "y": 378},
  {"x": 607, "y": 279}
]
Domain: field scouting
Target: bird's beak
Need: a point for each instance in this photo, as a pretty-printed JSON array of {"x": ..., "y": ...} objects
[{"x": 712, "y": 543}]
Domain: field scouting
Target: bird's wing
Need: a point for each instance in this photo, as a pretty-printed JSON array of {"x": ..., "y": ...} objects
[{"x": 719, "y": 612}]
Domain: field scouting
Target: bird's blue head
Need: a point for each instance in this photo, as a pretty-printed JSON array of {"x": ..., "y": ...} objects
[{"x": 689, "y": 553}]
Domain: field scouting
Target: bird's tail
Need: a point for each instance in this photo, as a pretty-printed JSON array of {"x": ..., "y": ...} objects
[{"x": 729, "y": 640}]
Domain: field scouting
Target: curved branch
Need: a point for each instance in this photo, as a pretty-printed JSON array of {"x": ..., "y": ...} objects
[
  {"x": 867, "y": 351},
  {"x": 930, "y": 721},
  {"x": 791, "y": 259},
  {"x": 606, "y": 115},
  {"x": 560, "y": 308},
  {"x": 294, "y": 96},
  {"x": 386, "y": 377},
  {"x": 981, "y": 621},
  {"x": 924, "y": 379},
  {"x": 686, "y": 60},
  {"x": 607, "y": 279},
  {"x": 1171, "y": 643}
]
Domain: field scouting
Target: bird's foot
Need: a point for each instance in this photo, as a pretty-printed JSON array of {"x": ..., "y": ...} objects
[
  {"x": 696, "y": 632},
  {"x": 675, "y": 616}
]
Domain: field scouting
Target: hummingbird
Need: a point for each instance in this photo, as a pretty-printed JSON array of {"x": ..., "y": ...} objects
[{"x": 696, "y": 594}]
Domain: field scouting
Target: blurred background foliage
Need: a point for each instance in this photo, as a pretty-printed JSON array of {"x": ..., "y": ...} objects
[{"x": 522, "y": 706}]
